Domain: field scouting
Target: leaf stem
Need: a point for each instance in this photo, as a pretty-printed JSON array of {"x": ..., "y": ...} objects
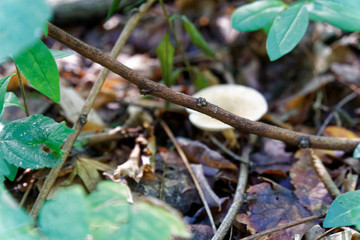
[
  {"x": 178, "y": 44},
  {"x": 22, "y": 90}
]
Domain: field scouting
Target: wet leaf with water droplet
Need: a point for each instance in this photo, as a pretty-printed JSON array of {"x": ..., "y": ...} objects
[{"x": 22, "y": 142}]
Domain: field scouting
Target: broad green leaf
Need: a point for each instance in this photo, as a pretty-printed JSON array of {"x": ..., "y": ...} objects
[
  {"x": 114, "y": 6},
  {"x": 109, "y": 198},
  {"x": 3, "y": 87},
  {"x": 59, "y": 54},
  {"x": 356, "y": 153},
  {"x": 8, "y": 170},
  {"x": 340, "y": 212},
  {"x": 39, "y": 68},
  {"x": 172, "y": 221},
  {"x": 286, "y": 31},
  {"x": 66, "y": 216},
  {"x": 256, "y": 15},
  {"x": 130, "y": 221},
  {"x": 11, "y": 100},
  {"x": 342, "y": 15},
  {"x": 15, "y": 223},
  {"x": 165, "y": 52},
  {"x": 349, "y": 3},
  {"x": 21, "y": 23},
  {"x": 196, "y": 37},
  {"x": 23, "y": 142}
]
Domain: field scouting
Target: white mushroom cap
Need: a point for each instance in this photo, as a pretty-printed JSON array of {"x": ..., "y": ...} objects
[{"x": 243, "y": 101}]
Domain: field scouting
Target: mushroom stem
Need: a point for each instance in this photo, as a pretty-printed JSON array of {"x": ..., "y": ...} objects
[{"x": 230, "y": 137}]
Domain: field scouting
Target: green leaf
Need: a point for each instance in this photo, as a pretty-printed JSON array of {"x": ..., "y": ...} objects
[
  {"x": 114, "y": 6},
  {"x": 8, "y": 170},
  {"x": 256, "y": 15},
  {"x": 66, "y": 216},
  {"x": 165, "y": 52},
  {"x": 59, "y": 54},
  {"x": 343, "y": 15},
  {"x": 39, "y": 68},
  {"x": 132, "y": 221},
  {"x": 287, "y": 30},
  {"x": 21, "y": 23},
  {"x": 15, "y": 223},
  {"x": 356, "y": 153},
  {"x": 11, "y": 100},
  {"x": 196, "y": 37},
  {"x": 109, "y": 198},
  {"x": 171, "y": 223},
  {"x": 23, "y": 142},
  {"x": 3, "y": 87},
  {"x": 340, "y": 211}
]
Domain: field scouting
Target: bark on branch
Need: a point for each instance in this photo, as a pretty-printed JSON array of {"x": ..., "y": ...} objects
[{"x": 159, "y": 90}]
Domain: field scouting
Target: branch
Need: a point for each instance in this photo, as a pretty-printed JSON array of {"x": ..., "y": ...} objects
[{"x": 147, "y": 86}]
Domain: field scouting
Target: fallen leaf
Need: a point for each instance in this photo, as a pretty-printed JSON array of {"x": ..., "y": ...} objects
[
  {"x": 197, "y": 152},
  {"x": 273, "y": 205},
  {"x": 339, "y": 132},
  {"x": 309, "y": 188},
  {"x": 272, "y": 157}
]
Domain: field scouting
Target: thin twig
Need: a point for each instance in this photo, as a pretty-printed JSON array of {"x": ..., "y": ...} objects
[
  {"x": 326, "y": 233},
  {"x": 188, "y": 167},
  {"x": 50, "y": 179},
  {"x": 324, "y": 175},
  {"x": 148, "y": 86},
  {"x": 282, "y": 227},
  {"x": 239, "y": 195},
  {"x": 228, "y": 151}
]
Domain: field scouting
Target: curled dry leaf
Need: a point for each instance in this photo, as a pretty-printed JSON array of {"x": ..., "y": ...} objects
[{"x": 131, "y": 168}]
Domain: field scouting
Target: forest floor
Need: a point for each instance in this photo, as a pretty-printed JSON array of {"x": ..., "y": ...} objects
[{"x": 311, "y": 90}]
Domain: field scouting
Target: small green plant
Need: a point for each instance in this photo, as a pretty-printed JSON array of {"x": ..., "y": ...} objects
[
  {"x": 345, "y": 210},
  {"x": 286, "y": 25},
  {"x": 35, "y": 142},
  {"x": 106, "y": 213},
  {"x": 32, "y": 142},
  {"x": 165, "y": 52}
]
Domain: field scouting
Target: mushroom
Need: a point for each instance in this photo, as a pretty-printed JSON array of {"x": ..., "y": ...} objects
[{"x": 243, "y": 101}]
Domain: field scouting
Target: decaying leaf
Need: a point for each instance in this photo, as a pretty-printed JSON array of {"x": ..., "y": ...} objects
[
  {"x": 273, "y": 205},
  {"x": 272, "y": 157},
  {"x": 88, "y": 170},
  {"x": 310, "y": 190}
]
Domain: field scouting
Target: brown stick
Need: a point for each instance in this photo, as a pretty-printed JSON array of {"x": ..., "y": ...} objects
[{"x": 147, "y": 86}]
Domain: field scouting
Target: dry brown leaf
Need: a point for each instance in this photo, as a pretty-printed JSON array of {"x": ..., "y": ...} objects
[
  {"x": 198, "y": 152},
  {"x": 88, "y": 170},
  {"x": 339, "y": 132},
  {"x": 309, "y": 188},
  {"x": 273, "y": 205}
]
